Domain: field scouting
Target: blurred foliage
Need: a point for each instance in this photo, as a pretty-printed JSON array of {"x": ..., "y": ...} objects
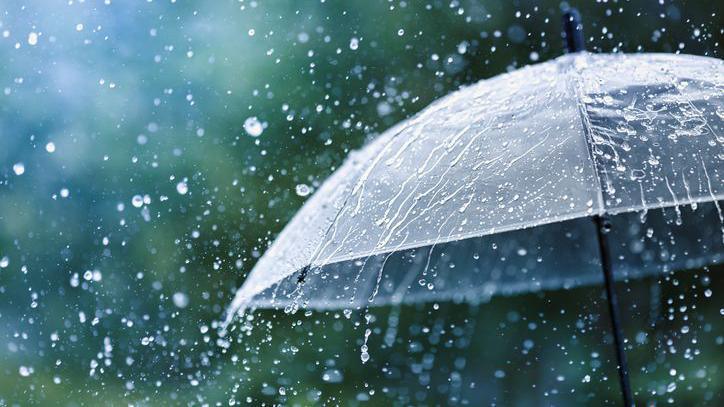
[{"x": 138, "y": 97}]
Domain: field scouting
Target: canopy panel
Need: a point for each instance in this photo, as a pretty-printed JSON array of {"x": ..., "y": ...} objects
[
  {"x": 502, "y": 154},
  {"x": 656, "y": 125}
]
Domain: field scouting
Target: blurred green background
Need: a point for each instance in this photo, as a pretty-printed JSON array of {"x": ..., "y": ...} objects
[{"x": 136, "y": 193}]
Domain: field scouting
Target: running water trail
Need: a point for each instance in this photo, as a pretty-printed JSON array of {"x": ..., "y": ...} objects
[{"x": 713, "y": 198}]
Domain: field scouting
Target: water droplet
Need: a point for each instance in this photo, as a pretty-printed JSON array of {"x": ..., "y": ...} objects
[
  {"x": 4, "y": 262},
  {"x": 637, "y": 175},
  {"x": 137, "y": 201},
  {"x": 50, "y": 147},
  {"x": 253, "y": 126},
  {"x": 25, "y": 371},
  {"x": 32, "y": 38},
  {"x": 180, "y": 300},
  {"x": 463, "y": 47},
  {"x": 182, "y": 188},
  {"x": 364, "y": 355},
  {"x": 354, "y": 43},
  {"x": 19, "y": 168},
  {"x": 332, "y": 376},
  {"x": 302, "y": 190}
]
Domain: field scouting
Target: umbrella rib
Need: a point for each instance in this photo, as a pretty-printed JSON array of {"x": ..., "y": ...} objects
[
  {"x": 603, "y": 226},
  {"x": 588, "y": 134}
]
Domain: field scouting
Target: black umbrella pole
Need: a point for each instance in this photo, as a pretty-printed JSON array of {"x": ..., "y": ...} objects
[{"x": 603, "y": 225}]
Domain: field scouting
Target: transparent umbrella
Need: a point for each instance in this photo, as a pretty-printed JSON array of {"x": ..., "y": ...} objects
[{"x": 491, "y": 190}]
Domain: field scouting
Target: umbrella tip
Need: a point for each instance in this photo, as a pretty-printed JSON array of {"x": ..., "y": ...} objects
[{"x": 573, "y": 31}]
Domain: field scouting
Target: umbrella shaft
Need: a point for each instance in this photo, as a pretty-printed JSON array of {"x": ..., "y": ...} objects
[
  {"x": 602, "y": 227},
  {"x": 573, "y": 31}
]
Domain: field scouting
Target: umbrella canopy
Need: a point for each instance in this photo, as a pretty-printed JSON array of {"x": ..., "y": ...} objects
[{"x": 443, "y": 205}]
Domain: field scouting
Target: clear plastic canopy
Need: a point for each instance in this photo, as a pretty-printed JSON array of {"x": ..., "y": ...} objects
[{"x": 441, "y": 206}]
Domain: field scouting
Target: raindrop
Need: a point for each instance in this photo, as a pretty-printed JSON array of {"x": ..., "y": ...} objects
[
  {"x": 516, "y": 33},
  {"x": 19, "y": 168},
  {"x": 364, "y": 355},
  {"x": 180, "y": 300},
  {"x": 332, "y": 376},
  {"x": 25, "y": 371},
  {"x": 463, "y": 47},
  {"x": 354, "y": 43},
  {"x": 384, "y": 108},
  {"x": 32, "y": 38},
  {"x": 182, "y": 188},
  {"x": 137, "y": 201},
  {"x": 50, "y": 147},
  {"x": 4, "y": 262},
  {"x": 637, "y": 175},
  {"x": 302, "y": 190},
  {"x": 253, "y": 126}
]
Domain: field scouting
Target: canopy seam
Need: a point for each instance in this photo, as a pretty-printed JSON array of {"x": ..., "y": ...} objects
[{"x": 587, "y": 129}]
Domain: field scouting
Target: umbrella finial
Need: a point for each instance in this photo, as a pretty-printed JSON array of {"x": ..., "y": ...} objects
[{"x": 573, "y": 31}]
